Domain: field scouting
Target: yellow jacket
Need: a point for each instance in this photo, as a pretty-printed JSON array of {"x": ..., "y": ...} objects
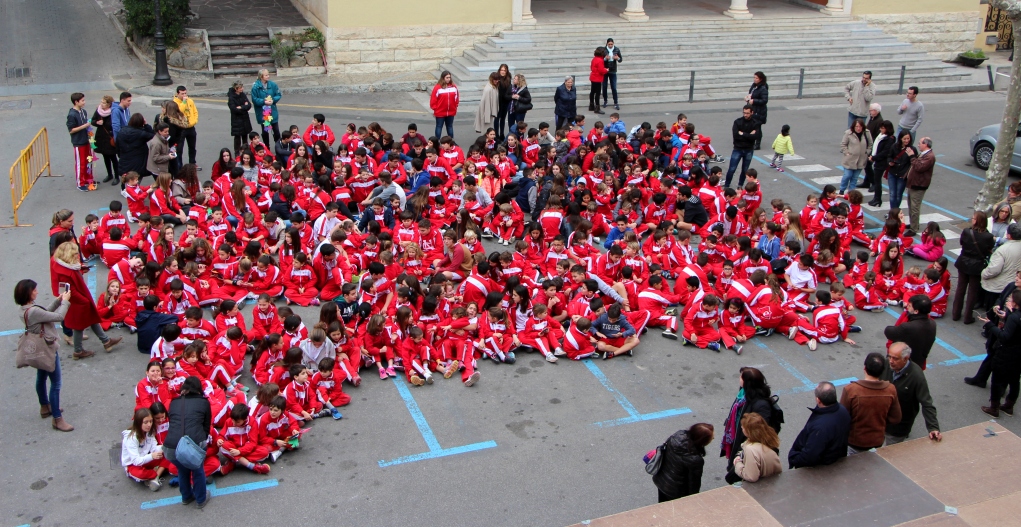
[
  {"x": 189, "y": 110},
  {"x": 781, "y": 145}
]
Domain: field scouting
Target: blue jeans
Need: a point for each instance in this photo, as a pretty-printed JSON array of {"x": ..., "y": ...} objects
[
  {"x": 610, "y": 80},
  {"x": 516, "y": 118},
  {"x": 449, "y": 122},
  {"x": 851, "y": 118},
  {"x": 745, "y": 156},
  {"x": 850, "y": 179},
  {"x": 193, "y": 482},
  {"x": 897, "y": 185},
  {"x": 53, "y": 397}
]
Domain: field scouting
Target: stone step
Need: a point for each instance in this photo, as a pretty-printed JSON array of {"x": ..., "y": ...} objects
[
  {"x": 251, "y": 59},
  {"x": 656, "y": 48},
  {"x": 264, "y": 41},
  {"x": 237, "y": 33},
  {"x": 243, "y": 71},
  {"x": 232, "y": 51},
  {"x": 621, "y": 27},
  {"x": 678, "y": 32},
  {"x": 638, "y": 40}
]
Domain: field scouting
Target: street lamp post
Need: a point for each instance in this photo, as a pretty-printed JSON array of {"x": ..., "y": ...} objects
[{"x": 162, "y": 77}]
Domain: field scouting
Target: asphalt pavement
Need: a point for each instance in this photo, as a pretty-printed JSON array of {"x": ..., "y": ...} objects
[{"x": 532, "y": 443}]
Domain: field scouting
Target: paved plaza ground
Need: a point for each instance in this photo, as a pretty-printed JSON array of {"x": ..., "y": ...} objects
[{"x": 533, "y": 443}]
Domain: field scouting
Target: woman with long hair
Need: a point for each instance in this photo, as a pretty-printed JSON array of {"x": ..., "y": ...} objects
[
  {"x": 898, "y": 164},
  {"x": 186, "y": 186},
  {"x": 41, "y": 321},
  {"x": 680, "y": 473},
  {"x": 171, "y": 114},
  {"x": 758, "y": 97},
  {"x": 444, "y": 100},
  {"x": 521, "y": 100},
  {"x": 240, "y": 116},
  {"x": 976, "y": 245},
  {"x": 753, "y": 396},
  {"x": 504, "y": 97},
  {"x": 105, "y": 144},
  {"x": 66, "y": 275},
  {"x": 597, "y": 72},
  {"x": 759, "y": 457}
]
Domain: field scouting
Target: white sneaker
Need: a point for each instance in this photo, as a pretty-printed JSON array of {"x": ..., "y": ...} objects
[
  {"x": 792, "y": 332},
  {"x": 813, "y": 345},
  {"x": 595, "y": 239},
  {"x": 559, "y": 352},
  {"x": 154, "y": 484},
  {"x": 275, "y": 455},
  {"x": 472, "y": 379},
  {"x": 551, "y": 358}
]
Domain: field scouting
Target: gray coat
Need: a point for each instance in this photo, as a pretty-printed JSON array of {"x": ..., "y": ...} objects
[
  {"x": 159, "y": 155},
  {"x": 856, "y": 150},
  {"x": 43, "y": 319}
]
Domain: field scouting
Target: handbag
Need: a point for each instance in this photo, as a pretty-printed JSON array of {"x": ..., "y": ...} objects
[
  {"x": 654, "y": 460},
  {"x": 35, "y": 350},
  {"x": 188, "y": 453}
]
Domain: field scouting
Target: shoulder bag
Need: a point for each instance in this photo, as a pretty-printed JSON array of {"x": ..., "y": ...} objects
[
  {"x": 654, "y": 460},
  {"x": 188, "y": 453},
  {"x": 35, "y": 350}
]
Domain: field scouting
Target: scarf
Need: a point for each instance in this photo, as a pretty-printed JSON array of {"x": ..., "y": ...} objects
[
  {"x": 730, "y": 427},
  {"x": 73, "y": 267},
  {"x": 104, "y": 113}
]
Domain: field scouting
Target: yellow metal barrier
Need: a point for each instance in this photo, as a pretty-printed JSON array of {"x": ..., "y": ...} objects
[{"x": 33, "y": 161}]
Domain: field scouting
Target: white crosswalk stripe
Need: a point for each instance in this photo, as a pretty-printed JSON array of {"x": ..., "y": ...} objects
[
  {"x": 808, "y": 168},
  {"x": 832, "y": 180}
]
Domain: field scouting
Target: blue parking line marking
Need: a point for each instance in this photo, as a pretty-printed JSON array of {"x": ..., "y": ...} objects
[
  {"x": 213, "y": 491},
  {"x": 961, "y": 172},
  {"x": 942, "y": 343},
  {"x": 634, "y": 416},
  {"x": 11, "y": 332},
  {"x": 886, "y": 186},
  {"x": 815, "y": 188},
  {"x": 805, "y": 381},
  {"x": 435, "y": 450}
]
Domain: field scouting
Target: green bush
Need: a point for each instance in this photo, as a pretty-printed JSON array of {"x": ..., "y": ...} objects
[
  {"x": 974, "y": 54},
  {"x": 283, "y": 52},
  {"x": 141, "y": 20},
  {"x": 313, "y": 33}
]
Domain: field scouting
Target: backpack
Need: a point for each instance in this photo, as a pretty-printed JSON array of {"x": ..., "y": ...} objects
[
  {"x": 776, "y": 415},
  {"x": 542, "y": 195}
]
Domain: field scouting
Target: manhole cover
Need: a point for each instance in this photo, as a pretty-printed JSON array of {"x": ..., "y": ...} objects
[{"x": 21, "y": 104}]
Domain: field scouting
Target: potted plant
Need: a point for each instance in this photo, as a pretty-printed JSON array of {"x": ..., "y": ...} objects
[{"x": 973, "y": 58}]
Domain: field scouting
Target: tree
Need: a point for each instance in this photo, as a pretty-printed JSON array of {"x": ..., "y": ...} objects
[
  {"x": 996, "y": 176},
  {"x": 141, "y": 19}
]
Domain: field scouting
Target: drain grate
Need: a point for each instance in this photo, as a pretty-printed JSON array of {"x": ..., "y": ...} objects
[
  {"x": 20, "y": 104},
  {"x": 18, "y": 73}
]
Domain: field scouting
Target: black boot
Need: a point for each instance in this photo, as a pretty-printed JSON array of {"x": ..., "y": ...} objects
[
  {"x": 1008, "y": 407},
  {"x": 993, "y": 410}
]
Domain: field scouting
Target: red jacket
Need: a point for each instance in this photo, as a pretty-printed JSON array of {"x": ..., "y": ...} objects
[
  {"x": 598, "y": 70},
  {"x": 443, "y": 101},
  {"x": 83, "y": 312}
]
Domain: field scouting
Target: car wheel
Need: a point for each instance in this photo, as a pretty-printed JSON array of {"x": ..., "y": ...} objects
[{"x": 983, "y": 155}]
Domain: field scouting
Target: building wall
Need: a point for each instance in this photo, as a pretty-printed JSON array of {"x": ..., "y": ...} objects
[
  {"x": 944, "y": 28},
  {"x": 876, "y": 7}
]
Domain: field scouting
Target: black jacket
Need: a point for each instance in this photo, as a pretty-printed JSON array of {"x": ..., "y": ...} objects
[
  {"x": 610, "y": 63},
  {"x": 133, "y": 148},
  {"x": 681, "y": 472},
  {"x": 283, "y": 151},
  {"x": 975, "y": 248},
  {"x": 882, "y": 151},
  {"x": 1006, "y": 356},
  {"x": 104, "y": 133},
  {"x": 746, "y": 140},
  {"x": 824, "y": 439},
  {"x": 240, "y": 120},
  {"x": 912, "y": 393},
  {"x": 190, "y": 416},
  {"x": 760, "y": 97},
  {"x": 762, "y": 407},
  {"x": 694, "y": 212},
  {"x": 566, "y": 101},
  {"x": 919, "y": 333},
  {"x": 898, "y": 160},
  {"x": 524, "y": 102}
]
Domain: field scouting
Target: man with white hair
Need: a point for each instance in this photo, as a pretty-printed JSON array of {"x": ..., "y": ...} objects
[
  {"x": 912, "y": 394},
  {"x": 859, "y": 94}
]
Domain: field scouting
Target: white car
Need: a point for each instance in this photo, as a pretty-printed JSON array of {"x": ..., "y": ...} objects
[{"x": 984, "y": 142}]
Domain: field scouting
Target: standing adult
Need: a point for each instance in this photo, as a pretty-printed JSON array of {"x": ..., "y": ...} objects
[
  {"x": 191, "y": 112},
  {"x": 918, "y": 330},
  {"x": 444, "y": 100},
  {"x": 879, "y": 161},
  {"x": 489, "y": 105},
  {"x": 1003, "y": 264},
  {"x": 911, "y": 112},
  {"x": 856, "y": 145},
  {"x": 613, "y": 56},
  {"x": 898, "y": 163},
  {"x": 758, "y": 97},
  {"x": 912, "y": 395},
  {"x": 746, "y": 131},
  {"x": 1014, "y": 200},
  {"x": 976, "y": 248},
  {"x": 504, "y": 92},
  {"x": 823, "y": 440},
  {"x": 190, "y": 415},
  {"x": 521, "y": 100},
  {"x": 40, "y": 320},
  {"x": 174, "y": 118},
  {"x": 753, "y": 396},
  {"x": 680, "y": 473},
  {"x": 121, "y": 113},
  {"x": 265, "y": 92},
  {"x": 565, "y": 103},
  {"x": 160, "y": 155},
  {"x": 66, "y": 268},
  {"x": 918, "y": 181},
  {"x": 859, "y": 95},
  {"x": 133, "y": 145},
  {"x": 873, "y": 125},
  {"x": 78, "y": 126},
  {"x": 872, "y": 404},
  {"x": 597, "y": 72},
  {"x": 1006, "y": 358},
  {"x": 240, "y": 120},
  {"x": 102, "y": 119}
]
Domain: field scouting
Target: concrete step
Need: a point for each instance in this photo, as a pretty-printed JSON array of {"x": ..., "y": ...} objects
[
  {"x": 638, "y": 40},
  {"x": 237, "y": 33},
  {"x": 656, "y": 48},
  {"x": 238, "y": 51},
  {"x": 264, "y": 41},
  {"x": 251, "y": 59},
  {"x": 243, "y": 71},
  {"x": 621, "y": 27}
]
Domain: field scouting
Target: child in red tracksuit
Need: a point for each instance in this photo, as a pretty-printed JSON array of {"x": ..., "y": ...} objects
[
  {"x": 279, "y": 426},
  {"x": 497, "y": 336},
  {"x": 698, "y": 324},
  {"x": 888, "y": 285},
  {"x": 733, "y": 330},
  {"x": 506, "y": 226},
  {"x": 241, "y": 443},
  {"x": 458, "y": 347},
  {"x": 265, "y": 319},
  {"x": 301, "y": 397},
  {"x": 377, "y": 345},
  {"x": 541, "y": 335},
  {"x": 420, "y": 358},
  {"x": 866, "y": 297},
  {"x": 656, "y": 300},
  {"x": 89, "y": 242},
  {"x": 577, "y": 341},
  {"x": 858, "y": 269},
  {"x": 268, "y": 351},
  {"x": 938, "y": 295},
  {"x": 327, "y": 383},
  {"x": 912, "y": 283}
]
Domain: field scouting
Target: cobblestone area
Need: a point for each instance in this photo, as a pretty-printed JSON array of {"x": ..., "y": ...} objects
[{"x": 245, "y": 14}]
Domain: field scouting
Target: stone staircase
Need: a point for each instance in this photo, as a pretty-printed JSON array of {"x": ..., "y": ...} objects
[
  {"x": 660, "y": 56},
  {"x": 240, "y": 52}
]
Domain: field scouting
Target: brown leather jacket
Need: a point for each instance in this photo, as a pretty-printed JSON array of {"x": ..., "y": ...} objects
[{"x": 872, "y": 405}]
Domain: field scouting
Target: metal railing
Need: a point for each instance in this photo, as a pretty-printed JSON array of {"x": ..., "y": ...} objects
[{"x": 31, "y": 163}]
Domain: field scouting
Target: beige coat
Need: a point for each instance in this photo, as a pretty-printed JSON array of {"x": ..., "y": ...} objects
[
  {"x": 756, "y": 462},
  {"x": 159, "y": 155},
  {"x": 859, "y": 97},
  {"x": 856, "y": 151},
  {"x": 489, "y": 106},
  {"x": 1003, "y": 265}
]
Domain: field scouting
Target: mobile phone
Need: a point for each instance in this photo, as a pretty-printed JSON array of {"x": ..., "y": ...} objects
[{"x": 64, "y": 287}]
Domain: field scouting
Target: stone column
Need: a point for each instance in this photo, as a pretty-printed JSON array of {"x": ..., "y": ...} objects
[
  {"x": 739, "y": 10},
  {"x": 833, "y": 7},
  {"x": 634, "y": 12},
  {"x": 526, "y": 12}
]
